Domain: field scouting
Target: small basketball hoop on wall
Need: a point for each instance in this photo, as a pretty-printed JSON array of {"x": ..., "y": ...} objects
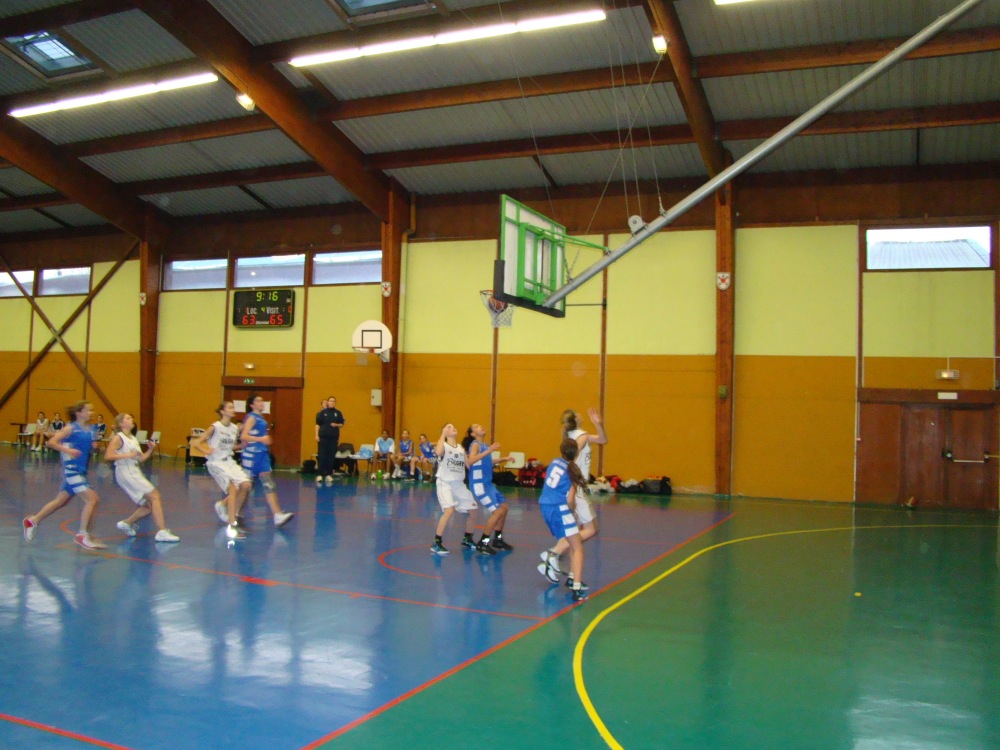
[
  {"x": 371, "y": 337},
  {"x": 501, "y": 313}
]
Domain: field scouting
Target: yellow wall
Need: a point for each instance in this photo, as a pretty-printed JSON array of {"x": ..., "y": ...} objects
[{"x": 794, "y": 379}]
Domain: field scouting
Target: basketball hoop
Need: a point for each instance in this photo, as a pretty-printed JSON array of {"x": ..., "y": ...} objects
[
  {"x": 362, "y": 355},
  {"x": 501, "y": 313}
]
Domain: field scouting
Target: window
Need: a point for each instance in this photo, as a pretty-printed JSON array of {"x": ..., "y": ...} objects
[
  {"x": 273, "y": 270},
  {"x": 64, "y": 281},
  {"x": 9, "y": 289},
  {"x": 195, "y": 274},
  {"x": 353, "y": 267},
  {"x": 46, "y": 53},
  {"x": 928, "y": 248},
  {"x": 356, "y": 8}
]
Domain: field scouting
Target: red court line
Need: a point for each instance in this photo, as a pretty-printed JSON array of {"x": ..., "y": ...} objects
[
  {"x": 382, "y": 562},
  {"x": 308, "y": 587},
  {"x": 459, "y": 667},
  {"x": 61, "y": 732}
]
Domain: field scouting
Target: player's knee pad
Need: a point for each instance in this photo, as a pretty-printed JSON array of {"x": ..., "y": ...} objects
[{"x": 269, "y": 485}]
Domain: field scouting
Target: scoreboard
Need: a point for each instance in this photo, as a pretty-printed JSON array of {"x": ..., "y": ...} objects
[{"x": 264, "y": 308}]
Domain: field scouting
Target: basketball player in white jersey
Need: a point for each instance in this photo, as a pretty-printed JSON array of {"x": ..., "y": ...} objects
[
  {"x": 127, "y": 454},
  {"x": 452, "y": 493},
  {"x": 585, "y": 517},
  {"x": 221, "y": 438}
]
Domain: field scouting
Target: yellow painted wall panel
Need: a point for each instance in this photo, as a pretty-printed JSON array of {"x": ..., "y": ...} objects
[
  {"x": 335, "y": 311},
  {"x": 193, "y": 321},
  {"x": 440, "y": 310},
  {"x": 188, "y": 389},
  {"x": 58, "y": 310},
  {"x": 14, "y": 333},
  {"x": 928, "y": 314},
  {"x": 796, "y": 291},
  {"x": 661, "y": 295},
  {"x": 254, "y": 340},
  {"x": 114, "y": 319},
  {"x": 264, "y": 364},
  {"x": 794, "y": 427},
  {"x": 919, "y": 372}
]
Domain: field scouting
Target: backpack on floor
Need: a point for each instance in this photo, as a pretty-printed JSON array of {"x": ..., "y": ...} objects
[{"x": 308, "y": 467}]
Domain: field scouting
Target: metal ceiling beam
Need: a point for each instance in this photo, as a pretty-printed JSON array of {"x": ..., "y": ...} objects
[
  {"x": 61, "y": 15},
  {"x": 203, "y": 30},
  {"x": 665, "y": 21},
  {"x": 949, "y": 115},
  {"x": 27, "y": 150}
]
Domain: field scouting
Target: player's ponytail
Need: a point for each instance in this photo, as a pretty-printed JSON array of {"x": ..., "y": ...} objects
[
  {"x": 569, "y": 422},
  {"x": 568, "y": 449},
  {"x": 468, "y": 439}
]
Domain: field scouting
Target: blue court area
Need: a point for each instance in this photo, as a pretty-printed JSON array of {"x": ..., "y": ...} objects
[{"x": 279, "y": 641}]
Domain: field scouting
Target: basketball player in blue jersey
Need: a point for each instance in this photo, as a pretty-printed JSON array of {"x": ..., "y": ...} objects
[
  {"x": 427, "y": 460},
  {"x": 585, "y": 516},
  {"x": 256, "y": 458},
  {"x": 74, "y": 442},
  {"x": 563, "y": 480},
  {"x": 486, "y": 494},
  {"x": 404, "y": 457}
]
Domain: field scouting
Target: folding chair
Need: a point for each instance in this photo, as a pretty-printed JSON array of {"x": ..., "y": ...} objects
[{"x": 24, "y": 438}]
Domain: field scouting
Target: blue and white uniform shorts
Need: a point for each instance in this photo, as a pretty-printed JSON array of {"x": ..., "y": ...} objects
[
  {"x": 487, "y": 495},
  {"x": 560, "y": 520}
]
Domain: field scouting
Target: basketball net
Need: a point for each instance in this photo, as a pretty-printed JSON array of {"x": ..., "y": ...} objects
[
  {"x": 501, "y": 313},
  {"x": 364, "y": 356}
]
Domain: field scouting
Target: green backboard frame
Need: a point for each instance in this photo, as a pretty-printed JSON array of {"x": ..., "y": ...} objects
[{"x": 532, "y": 258}]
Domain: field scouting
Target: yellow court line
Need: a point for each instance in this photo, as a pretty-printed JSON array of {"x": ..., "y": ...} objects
[{"x": 581, "y": 688}]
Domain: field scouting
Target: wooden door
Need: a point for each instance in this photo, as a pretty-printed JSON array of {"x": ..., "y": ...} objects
[
  {"x": 971, "y": 469},
  {"x": 285, "y": 418},
  {"x": 923, "y": 463}
]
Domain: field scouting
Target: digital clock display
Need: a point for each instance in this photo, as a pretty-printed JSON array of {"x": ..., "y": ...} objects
[{"x": 264, "y": 308}]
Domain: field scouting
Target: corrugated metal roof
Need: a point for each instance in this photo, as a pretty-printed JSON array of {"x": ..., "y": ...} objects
[
  {"x": 313, "y": 191},
  {"x": 129, "y": 41},
  {"x": 18, "y": 182},
  {"x": 15, "y": 78},
  {"x": 980, "y": 143},
  {"x": 197, "y": 202},
  {"x": 15, "y": 7},
  {"x": 912, "y": 83},
  {"x": 712, "y": 29},
  {"x": 77, "y": 216},
  {"x": 271, "y": 22},
  {"x": 24, "y": 221},
  {"x": 844, "y": 151},
  {"x": 213, "y": 101},
  {"x": 964, "y": 253},
  {"x": 247, "y": 151},
  {"x": 578, "y": 112},
  {"x": 599, "y": 167},
  {"x": 619, "y": 41},
  {"x": 470, "y": 177}
]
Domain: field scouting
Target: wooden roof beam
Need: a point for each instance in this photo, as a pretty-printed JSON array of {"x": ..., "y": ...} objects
[
  {"x": 203, "y": 30},
  {"x": 665, "y": 21},
  {"x": 27, "y": 150}
]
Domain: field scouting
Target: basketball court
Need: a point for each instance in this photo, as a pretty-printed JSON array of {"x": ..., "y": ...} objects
[{"x": 711, "y": 624}]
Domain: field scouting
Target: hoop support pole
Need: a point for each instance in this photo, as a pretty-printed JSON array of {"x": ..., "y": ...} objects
[{"x": 778, "y": 139}]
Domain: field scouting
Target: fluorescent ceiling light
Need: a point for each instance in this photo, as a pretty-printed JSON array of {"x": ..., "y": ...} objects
[
  {"x": 115, "y": 95},
  {"x": 730, "y": 2},
  {"x": 660, "y": 44},
  {"x": 451, "y": 37}
]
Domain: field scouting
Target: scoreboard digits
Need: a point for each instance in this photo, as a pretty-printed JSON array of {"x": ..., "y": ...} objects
[{"x": 264, "y": 308}]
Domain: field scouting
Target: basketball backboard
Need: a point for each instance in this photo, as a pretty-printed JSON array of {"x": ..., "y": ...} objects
[{"x": 532, "y": 254}]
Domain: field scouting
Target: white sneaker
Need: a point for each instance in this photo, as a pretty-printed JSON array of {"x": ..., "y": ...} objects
[
  {"x": 234, "y": 532},
  {"x": 552, "y": 560},
  {"x": 280, "y": 519},
  {"x": 166, "y": 535},
  {"x": 319, "y": 479},
  {"x": 221, "y": 511},
  {"x": 329, "y": 480},
  {"x": 126, "y": 528},
  {"x": 84, "y": 540}
]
